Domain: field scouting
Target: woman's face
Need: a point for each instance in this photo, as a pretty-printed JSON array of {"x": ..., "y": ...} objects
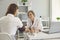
[{"x": 31, "y": 16}]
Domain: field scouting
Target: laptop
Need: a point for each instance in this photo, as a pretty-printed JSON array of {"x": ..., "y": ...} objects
[{"x": 55, "y": 27}]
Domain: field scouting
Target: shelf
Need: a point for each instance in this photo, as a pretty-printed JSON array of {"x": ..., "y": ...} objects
[
  {"x": 45, "y": 27},
  {"x": 45, "y": 30},
  {"x": 24, "y": 20},
  {"x": 23, "y": 8},
  {"x": 22, "y": 16},
  {"x": 22, "y": 13},
  {"x": 21, "y": 4},
  {"x": 45, "y": 20}
]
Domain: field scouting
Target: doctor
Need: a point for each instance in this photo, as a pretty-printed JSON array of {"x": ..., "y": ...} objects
[
  {"x": 10, "y": 23},
  {"x": 33, "y": 24}
]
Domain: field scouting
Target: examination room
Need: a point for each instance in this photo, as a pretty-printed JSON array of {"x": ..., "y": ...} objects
[{"x": 29, "y": 19}]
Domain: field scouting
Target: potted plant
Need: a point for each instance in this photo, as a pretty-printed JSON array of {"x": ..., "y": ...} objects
[
  {"x": 58, "y": 18},
  {"x": 23, "y": 1}
]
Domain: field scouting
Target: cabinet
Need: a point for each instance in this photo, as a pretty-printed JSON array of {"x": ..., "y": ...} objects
[
  {"x": 23, "y": 9},
  {"x": 22, "y": 14}
]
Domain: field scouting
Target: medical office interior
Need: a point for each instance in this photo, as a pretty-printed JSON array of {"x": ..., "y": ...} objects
[{"x": 46, "y": 10}]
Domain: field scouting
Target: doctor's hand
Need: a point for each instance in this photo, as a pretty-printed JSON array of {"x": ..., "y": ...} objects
[
  {"x": 37, "y": 30},
  {"x": 32, "y": 30},
  {"x": 27, "y": 29}
]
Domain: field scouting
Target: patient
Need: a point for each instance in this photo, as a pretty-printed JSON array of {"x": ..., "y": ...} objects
[
  {"x": 33, "y": 24},
  {"x": 9, "y": 23}
]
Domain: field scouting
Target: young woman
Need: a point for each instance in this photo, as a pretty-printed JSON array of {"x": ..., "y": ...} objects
[
  {"x": 10, "y": 23},
  {"x": 33, "y": 24}
]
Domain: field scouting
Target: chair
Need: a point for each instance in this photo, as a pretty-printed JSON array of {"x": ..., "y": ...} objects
[{"x": 5, "y": 36}]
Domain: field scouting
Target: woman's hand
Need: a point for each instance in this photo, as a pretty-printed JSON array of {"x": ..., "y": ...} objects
[
  {"x": 37, "y": 30},
  {"x": 27, "y": 29},
  {"x": 32, "y": 30}
]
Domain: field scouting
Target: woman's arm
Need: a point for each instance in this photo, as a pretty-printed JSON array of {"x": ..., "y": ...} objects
[{"x": 19, "y": 23}]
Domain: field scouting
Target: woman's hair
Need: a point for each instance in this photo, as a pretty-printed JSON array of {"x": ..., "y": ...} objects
[
  {"x": 12, "y": 9},
  {"x": 31, "y": 12}
]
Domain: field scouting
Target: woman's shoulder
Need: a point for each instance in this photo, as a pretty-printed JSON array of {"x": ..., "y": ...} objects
[
  {"x": 2, "y": 17},
  {"x": 17, "y": 18}
]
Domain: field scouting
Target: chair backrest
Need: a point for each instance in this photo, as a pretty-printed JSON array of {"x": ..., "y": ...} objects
[{"x": 5, "y": 36}]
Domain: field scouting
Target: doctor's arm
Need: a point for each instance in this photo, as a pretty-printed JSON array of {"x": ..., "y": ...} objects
[{"x": 39, "y": 25}]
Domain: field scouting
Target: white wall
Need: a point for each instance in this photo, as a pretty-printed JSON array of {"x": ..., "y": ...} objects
[
  {"x": 54, "y": 12},
  {"x": 41, "y": 7},
  {"x": 55, "y": 9},
  {"x": 3, "y": 6}
]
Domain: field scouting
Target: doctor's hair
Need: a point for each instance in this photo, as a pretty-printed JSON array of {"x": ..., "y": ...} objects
[
  {"x": 31, "y": 12},
  {"x": 12, "y": 9}
]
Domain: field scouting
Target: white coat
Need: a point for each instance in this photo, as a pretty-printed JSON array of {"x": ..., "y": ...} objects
[
  {"x": 9, "y": 24},
  {"x": 37, "y": 23}
]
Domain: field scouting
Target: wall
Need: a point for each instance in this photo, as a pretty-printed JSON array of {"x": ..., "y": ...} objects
[
  {"x": 41, "y": 7},
  {"x": 3, "y": 6},
  {"x": 55, "y": 9},
  {"x": 54, "y": 12}
]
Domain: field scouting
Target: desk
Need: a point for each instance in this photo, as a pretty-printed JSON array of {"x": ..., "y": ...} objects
[{"x": 43, "y": 36}]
